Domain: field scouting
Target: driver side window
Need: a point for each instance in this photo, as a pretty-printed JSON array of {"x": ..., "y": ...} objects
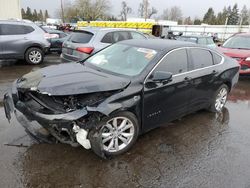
[{"x": 176, "y": 62}]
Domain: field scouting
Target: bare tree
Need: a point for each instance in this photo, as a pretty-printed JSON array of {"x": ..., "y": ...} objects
[
  {"x": 141, "y": 10},
  {"x": 125, "y": 11},
  {"x": 145, "y": 11},
  {"x": 166, "y": 14},
  {"x": 151, "y": 12},
  {"x": 174, "y": 14},
  {"x": 68, "y": 12},
  {"x": 92, "y": 9}
]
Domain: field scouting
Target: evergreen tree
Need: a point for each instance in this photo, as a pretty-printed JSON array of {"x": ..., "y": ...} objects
[
  {"x": 209, "y": 17},
  {"x": 197, "y": 21},
  {"x": 46, "y": 15},
  {"x": 188, "y": 21},
  {"x": 23, "y": 13},
  {"x": 35, "y": 16},
  {"x": 245, "y": 16},
  {"x": 40, "y": 15},
  {"x": 222, "y": 16},
  {"x": 28, "y": 14},
  {"x": 233, "y": 18}
]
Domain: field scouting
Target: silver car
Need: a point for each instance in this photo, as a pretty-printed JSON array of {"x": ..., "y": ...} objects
[
  {"x": 22, "y": 40},
  {"x": 82, "y": 43}
]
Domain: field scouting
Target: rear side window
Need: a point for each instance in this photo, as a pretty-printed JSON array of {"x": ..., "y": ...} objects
[
  {"x": 116, "y": 36},
  {"x": 120, "y": 36},
  {"x": 136, "y": 35},
  {"x": 217, "y": 58},
  {"x": 80, "y": 37},
  {"x": 201, "y": 58},
  {"x": 108, "y": 38},
  {"x": 176, "y": 62},
  {"x": 10, "y": 29}
]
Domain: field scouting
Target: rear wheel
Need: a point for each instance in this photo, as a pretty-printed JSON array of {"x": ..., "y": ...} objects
[
  {"x": 119, "y": 133},
  {"x": 34, "y": 56},
  {"x": 220, "y": 99}
]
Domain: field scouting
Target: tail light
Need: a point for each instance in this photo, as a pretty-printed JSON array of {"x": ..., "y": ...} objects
[{"x": 87, "y": 50}]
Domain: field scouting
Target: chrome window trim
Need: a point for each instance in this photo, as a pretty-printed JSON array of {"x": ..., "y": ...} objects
[{"x": 181, "y": 48}]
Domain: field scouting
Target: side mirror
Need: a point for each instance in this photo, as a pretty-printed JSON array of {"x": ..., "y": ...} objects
[{"x": 161, "y": 76}]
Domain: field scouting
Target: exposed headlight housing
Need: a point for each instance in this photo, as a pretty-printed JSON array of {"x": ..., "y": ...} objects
[{"x": 247, "y": 59}]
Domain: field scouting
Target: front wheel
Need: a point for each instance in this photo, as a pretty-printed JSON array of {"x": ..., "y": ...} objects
[
  {"x": 220, "y": 99},
  {"x": 118, "y": 133},
  {"x": 34, "y": 56}
]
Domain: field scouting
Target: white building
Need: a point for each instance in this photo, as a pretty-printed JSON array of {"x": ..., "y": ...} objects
[{"x": 10, "y": 9}]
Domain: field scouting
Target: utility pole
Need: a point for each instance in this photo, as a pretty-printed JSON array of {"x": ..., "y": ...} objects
[
  {"x": 145, "y": 5},
  {"x": 62, "y": 11}
]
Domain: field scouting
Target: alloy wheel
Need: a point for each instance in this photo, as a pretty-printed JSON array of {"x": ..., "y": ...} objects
[
  {"x": 35, "y": 57},
  {"x": 117, "y": 134},
  {"x": 221, "y": 99}
]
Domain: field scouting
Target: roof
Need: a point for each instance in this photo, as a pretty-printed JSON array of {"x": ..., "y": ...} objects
[
  {"x": 17, "y": 22},
  {"x": 242, "y": 34},
  {"x": 195, "y": 36},
  {"x": 158, "y": 44},
  {"x": 97, "y": 29}
]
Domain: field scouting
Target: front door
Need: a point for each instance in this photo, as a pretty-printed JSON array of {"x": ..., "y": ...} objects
[{"x": 164, "y": 102}]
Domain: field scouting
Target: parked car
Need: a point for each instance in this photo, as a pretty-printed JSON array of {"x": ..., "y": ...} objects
[
  {"x": 198, "y": 39},
  {"x": 80, "y": 44},
  {"x": 238, "y": 47},
  {"x": 105, "y": 101},
  {"x": 23, "y": 40},
  {"x": 57, "y": 39}
]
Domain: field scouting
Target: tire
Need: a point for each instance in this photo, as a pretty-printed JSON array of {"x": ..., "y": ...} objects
[
  {"x": 111, "y": 134},
  {"x": 219, "y": 99},
  {"x": 34, "y": 56}
]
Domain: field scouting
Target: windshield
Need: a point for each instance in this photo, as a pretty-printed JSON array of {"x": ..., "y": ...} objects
[
  {"x": 239, "y": 42},
  {"x": 123, "y": 59}
]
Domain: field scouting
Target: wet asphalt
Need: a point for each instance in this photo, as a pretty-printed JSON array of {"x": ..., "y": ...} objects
[{"x": 202, "y": 150}]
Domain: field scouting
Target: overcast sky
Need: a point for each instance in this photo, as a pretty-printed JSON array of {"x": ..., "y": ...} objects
[{"x": 191, "y": 8}]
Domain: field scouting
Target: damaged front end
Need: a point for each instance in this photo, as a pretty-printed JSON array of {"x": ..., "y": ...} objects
[
  {"x": 67, "y": 103},
  {"x": 62, "y": 118}
]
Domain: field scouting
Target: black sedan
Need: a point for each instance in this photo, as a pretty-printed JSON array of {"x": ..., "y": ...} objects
[{"x": 105, "y": 101}]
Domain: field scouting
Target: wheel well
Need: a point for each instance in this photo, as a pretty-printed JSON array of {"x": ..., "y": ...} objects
[
  {"x": 133, "y": 111},
  {"x": 229, "y": 85},
  {"x": 33, "y": 46}
]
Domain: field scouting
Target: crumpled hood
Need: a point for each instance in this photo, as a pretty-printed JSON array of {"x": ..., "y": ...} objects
[{"x": 70, "y": 79}]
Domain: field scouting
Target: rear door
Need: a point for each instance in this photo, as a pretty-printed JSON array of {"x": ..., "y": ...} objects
[
  {"x": 136, "y": 35},
  {"x": 204, "y": 75}
]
